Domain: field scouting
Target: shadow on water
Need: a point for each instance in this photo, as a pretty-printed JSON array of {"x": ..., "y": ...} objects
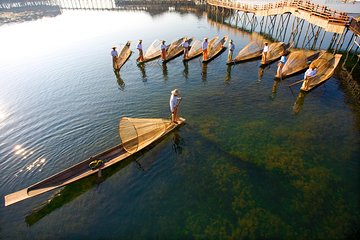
[
  {"x": 274, "y": 88},
  {"x": 119, "y": 80},
  {"x": 265, "y": 179},
  {"x": 186, "y": 70},
  {"x": 299, "y": 102},
  {"x": 165, "y": 71},
  {"x": 261, "y": 73},
  {"x": 204, "y": 67},
  {"x": 228, "y": 74},
  {"x": 143, "y": 72},
  {"x": 72, "y": 191},
  {"x": 178, "y": 143}
]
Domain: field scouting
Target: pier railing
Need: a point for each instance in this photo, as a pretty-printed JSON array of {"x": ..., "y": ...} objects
[{"x": 321, "y": 11}]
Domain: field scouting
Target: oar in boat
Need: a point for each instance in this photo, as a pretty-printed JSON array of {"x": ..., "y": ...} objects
[{"x": 297, "y": 82}]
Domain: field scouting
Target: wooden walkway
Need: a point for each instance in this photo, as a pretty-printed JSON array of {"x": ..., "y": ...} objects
[{"x": 320, "y": 15}]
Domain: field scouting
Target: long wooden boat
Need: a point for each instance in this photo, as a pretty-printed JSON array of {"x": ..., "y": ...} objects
[
  {"x": 326, "y": 65},
  {"x": 153, "y": 51},
  {"x": 196, "y": 48},
  {"x": 252, "y": 50},
  {"x": 175, "y": 49},
  {"x": 124, "y": 55},
  {"x": 297, "y": 61},
  {"x": 216, "y": 49},
  {"x": 275, "y": 51},
  {"x": 135, "y": 133}
]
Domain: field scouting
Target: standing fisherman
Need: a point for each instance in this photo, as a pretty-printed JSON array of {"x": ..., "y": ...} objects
[
  {"x": 140, "y": 49},
  {"x": 174, "y": 104},
  {"x": 231, "y": 50},
  {"x": 114, "y": 55},
  {"x": 205, "y": 48},
  {"x": 265, "y": 53},
  {"x": 281, "y": 64},
  {"x": 186, "y": 48},
  {"x": 163, "y": 50}
]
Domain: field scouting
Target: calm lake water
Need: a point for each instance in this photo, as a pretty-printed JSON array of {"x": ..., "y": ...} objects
[{"x": 251, "y": 162}]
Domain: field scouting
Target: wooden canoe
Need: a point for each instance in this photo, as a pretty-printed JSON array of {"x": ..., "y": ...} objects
[
  {"x": 124, "y": 55},
  {"x": 326, "y": 64},
  {"x": 216, "y": 49},
  {"x": 297, "y": 61},
  {"x": 196, "y": 48},
  {"x": 175, "y": 49},
  {"x": 129, "y": 146},
  {"x": 153, "y": 51},
  {"x": 252, "y": 50},
  {"x": 275, "y": 51}
]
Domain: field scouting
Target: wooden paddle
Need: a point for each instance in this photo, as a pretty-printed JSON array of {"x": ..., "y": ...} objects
[{"x": 297, "y": 82}]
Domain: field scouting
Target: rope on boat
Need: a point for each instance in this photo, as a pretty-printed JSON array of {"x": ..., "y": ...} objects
[{"x": 96, "y": 164}]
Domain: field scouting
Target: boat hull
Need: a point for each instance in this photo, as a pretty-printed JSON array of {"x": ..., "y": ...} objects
[
  {"x": 216, "y": 50},
  {"x": 326, "y": 70},
  {"x": 81, "y": 170},
  {"x": 308, "y": 57},
  {"x": 124, "y": 55},
  {"x": 277, "y": 56}
]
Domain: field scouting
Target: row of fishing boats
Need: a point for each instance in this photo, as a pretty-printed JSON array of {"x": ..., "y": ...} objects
[
  {"x": 175, "y": 49},
  {"x": 137, "y": 134},
  {"x": 297, "y": 60}
]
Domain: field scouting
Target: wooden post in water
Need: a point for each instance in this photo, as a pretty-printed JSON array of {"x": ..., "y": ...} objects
[
  {"x": 237, "y": 18},
  {"x": 333, "y": 40},
  {"x": 261, "y": 24},
  {"x": 343, "y": 37},
  {"x": 352, "y": 36},
  {"x": 316, "y": 37},
  {"x": 302, "y": 24},
  {"x": 253, "y": 23},
  {"x": 272, "y": 24},
  {"x": 306, "y": 34},
  {"x": 338, "y": 42}
]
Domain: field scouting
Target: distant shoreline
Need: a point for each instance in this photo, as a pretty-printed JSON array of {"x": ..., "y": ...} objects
[{"x": 29, "y": 13}]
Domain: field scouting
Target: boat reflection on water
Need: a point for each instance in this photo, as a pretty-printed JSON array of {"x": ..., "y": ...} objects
[
  {"x": 119, "y": 80},
  {"x": 274, "y": 88},
  {"x": 186, "y": 69},
  {"x": 299, "y": 102},
  {"x": 143, "y": 72},
  {"x": 261, "y": 73},
  {"x": 204, "y": 72},
  {"x": 178, "y": 143},
  {"x": 165, "y": 71},
  {"x": 75, "y": 189},
  {"x": 228, "y": 74}
]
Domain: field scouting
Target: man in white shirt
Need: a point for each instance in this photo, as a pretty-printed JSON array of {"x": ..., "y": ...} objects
[
  {"x": 186, "y": 48},
  {"x": 311, "y": 72},
  {"x": 265, "y": 52},
  {"x": 174, "y": 104},
  {"x": 231, "y": 50}
]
